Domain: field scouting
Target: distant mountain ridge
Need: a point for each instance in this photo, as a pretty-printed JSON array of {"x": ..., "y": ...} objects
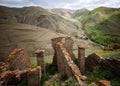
[
  {"x": 67, "y": 13},
  {"x": 39, "y": 17}
]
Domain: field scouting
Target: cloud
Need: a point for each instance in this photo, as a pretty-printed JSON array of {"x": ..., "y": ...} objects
[
  {"x": 71, "y": 4},
  {"x": 90, "y": 4}
]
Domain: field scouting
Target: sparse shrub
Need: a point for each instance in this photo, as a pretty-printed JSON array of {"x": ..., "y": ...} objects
[
  {"x": 99, "y": 73},
  {"x": 51, "y": 69},
  {"x": 76, "y": 61},
  {"x": 44, "y": 77},
  {"x": 63, "y": 77},
  {"x": 57, "y": 83},
  {"x": 34, "y": 65},
  {"x": 71, "y": 82},
  {"x": 23, "y": 83},
  {"x": 74, "y": 34}
]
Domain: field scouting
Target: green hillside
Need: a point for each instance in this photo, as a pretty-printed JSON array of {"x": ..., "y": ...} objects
[
  {"x": 102, "y": 25},
  {"x": 81, "y": 15}
]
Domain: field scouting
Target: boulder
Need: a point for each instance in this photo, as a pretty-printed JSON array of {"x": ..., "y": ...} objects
[
  {"x": 103, "y": 83},
  {"x": 92, "y": 61}
]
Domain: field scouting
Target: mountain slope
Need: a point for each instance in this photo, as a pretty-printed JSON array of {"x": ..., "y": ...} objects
[
  {"x": 81, "y": 14},
  {"x": 39, "y": 17},
  {"x": 31, "y": 28},
  {"x": 66, "y": 13},
  {"x": 102, "y": 25},
  {"x": 15, "y": 35}
]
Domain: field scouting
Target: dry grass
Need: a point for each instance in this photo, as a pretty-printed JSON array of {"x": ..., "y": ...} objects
[{"x": 24, "y": 36}]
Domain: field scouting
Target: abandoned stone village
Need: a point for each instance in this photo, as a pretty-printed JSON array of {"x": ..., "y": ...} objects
[{"x": 17, "y": 66}]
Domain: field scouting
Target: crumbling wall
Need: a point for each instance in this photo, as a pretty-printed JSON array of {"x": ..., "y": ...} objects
[
  {"x": 12, "y": 78},
  {"x": 66, "y": 65},
  {"x": 16, "y": 69},
  {"x": 92, "y": 61},
  {"x": 18, "y": 59},
  {"x": 68, "y": 44},
  {"x": 113, "y": 64},
  {"x": 54, "y": 41}
]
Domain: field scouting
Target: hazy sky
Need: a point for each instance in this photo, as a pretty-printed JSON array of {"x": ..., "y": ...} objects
[{"x": 71, "y": 4}]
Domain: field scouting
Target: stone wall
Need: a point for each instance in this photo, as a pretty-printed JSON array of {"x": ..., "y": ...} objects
[
  {"x": 92, "y": 61},
  {"x": 13, "y": 78},
  {"x": 17, "y": 68},
  {"x": 112, "y": 64},
  {"x": 18, "y": 59},
  {"x": 54, "y": 41},
  {"x": 68, "y": 44},
  {"x": 66, "y": 65}
]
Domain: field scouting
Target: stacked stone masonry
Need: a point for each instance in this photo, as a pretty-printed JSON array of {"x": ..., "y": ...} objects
[
  {"x": 112, "y": 64},
  {"x": 66, "y": 65},
  {"x": 17, "y": 68},
  {"x": 12, "y": 78},
  {"x": 68, "y": 44},
  {"x": 18, "y": 59}
]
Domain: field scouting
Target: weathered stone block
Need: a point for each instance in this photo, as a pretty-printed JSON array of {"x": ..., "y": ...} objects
[
  {"x": 18, "y": 59},
  {"x": 92, "y": 61}
]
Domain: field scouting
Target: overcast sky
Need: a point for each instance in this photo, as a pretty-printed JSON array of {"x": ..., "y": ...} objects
[{"x": 70, "y": 4}]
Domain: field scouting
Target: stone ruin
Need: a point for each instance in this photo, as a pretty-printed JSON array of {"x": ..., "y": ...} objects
[
  {"x": 92, "y": 61},
  {"x": 18, "y": 59},
  {"x": 112, "y": 64},
  {"x": 63, "y": 59},
  {"x": 68, "y": 44},
  {"x": 66, "y": 65},
  {"x": 17, "y": 68}
]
